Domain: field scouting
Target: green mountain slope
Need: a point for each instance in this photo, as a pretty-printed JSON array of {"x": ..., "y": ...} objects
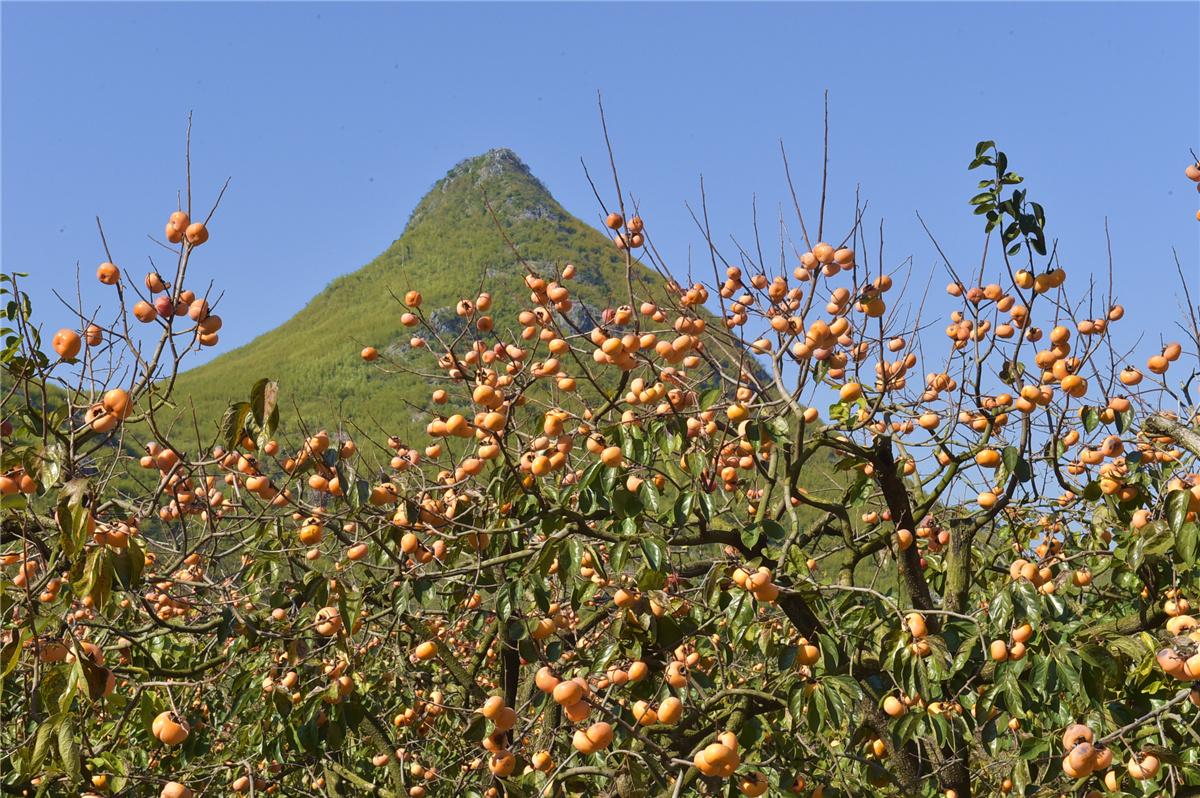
[{"x": 450, "y": 249}]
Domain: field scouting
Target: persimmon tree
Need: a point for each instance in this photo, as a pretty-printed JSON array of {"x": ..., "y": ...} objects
[{"x": 773, "y": 531}]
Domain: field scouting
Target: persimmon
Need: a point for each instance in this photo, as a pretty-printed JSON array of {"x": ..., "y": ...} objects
[
  {"x": 99, "y": 418},
  {"x": 492, "y": 707},
  {"x": 108, "y": 273},
  {"x": 144, "y": 312},
  {"x": 502, "y": 764},
  {"x": 177, "y": 224},
  {"x": 567, "y": 692},
  {"x": 670, "y": 710},
  {"x": 1075, "y": 734},
  {"x": 720, "y": 756},
  {"x": 174, "y": 789},
  {"x": 850, "y": 392},
  {"x": 989, "y": 458},
  {"x": 578, "y": 711},
  {"x": 170, "y": 729},
  {"x": 1181, "y": 624},
  {"x": 67, "y": 343},
  {"x": 614, "y": 221},
  {"x": 196, "y": 234},
  {"x": 915, "y": 623},
  {"x": 807, "y": 653},
  {"x": 504, "y": 719},
  {"x": 611, "y": 456},
  {"x": 753, "y": 784},
  {"x": 1102, "y": 756},
  {"x": 328, "y": 621},
  {"x": 1142, "y": 766},
  {"x": 117, "y": 401},
  {"x": 599, "y": 734},
  {"x": 1080, "y": 761},
  {"x": 677, "y": 674}
]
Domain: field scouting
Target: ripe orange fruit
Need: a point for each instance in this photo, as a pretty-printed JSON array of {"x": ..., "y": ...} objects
[
  {"x": 614, "y": 221},
  {"x": 173, "y": 789},
  {"x": 196, "y": 233},
  {"x": 599, "y": 734},
  {"x": 577, "y": 712},
  {"x": 328, "y": 621},
  {"x": 177, "y": 225},
  {"x": 169, "y": 728},
  {"x": 117, "y": 402},
  {"x": 989, "y": 458},
  {"x": 753, "y": 784},
  {"x": 67, "y": 343},
  {"x": 369, "y": 353},
  {"x": 502, "y": 764},
  {"x": 108, "y": 273},
  {"x": 1142, "y": 766},
  {"x": 850, "y": 392},
  {"x": 807, "y": 653},
  {"x": 567, "y": 692},
  {"x": 491, "y": 707},
  {"x": 505, "y": 719},
  {"x": 144, "y": 312},
  {"x": 545, "y": 679},
  {"x": 670, "y": 710},
  {"x": 915, "y": 622},
  {"x": 1075, "y": 734},
  {"x": 720, "y": 756}
]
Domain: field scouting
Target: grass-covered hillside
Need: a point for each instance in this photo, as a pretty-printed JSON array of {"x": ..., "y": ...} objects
[{"x": 450, "y": 250}]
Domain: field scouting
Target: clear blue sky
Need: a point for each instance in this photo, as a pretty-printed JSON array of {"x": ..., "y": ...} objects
[{"x": 333, "y": 120}]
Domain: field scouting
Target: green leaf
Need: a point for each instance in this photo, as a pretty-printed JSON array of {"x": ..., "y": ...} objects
[
  {"x": 233, "y": 424},
  {"x": 1177, "y": 507},
  {"x": 774, "y": 531},
  {"x": 655, "y": 552},
  {"x": 41, "y": 745},
  {"x": 1100, "y": 657},
  {"x": 649, "y": 496},
  {"x": 1187, "y": 543},
  {"x": 263, "y": 403},
  {"x": 750, "y": 535},
  {"x": 68, "y": 748},
  {"x": 625, "y": 503},
  {"x": 1017, "y": 465},
  {"x": 128, "y": 564}
]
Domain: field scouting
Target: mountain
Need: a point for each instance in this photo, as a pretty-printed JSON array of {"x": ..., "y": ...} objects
[{"x": 450, "y": 250}]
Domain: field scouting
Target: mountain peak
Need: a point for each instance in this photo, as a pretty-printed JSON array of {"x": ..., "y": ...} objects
[
  {"x": 498, "y": 176},
  {"x": 491, "y": 164}
]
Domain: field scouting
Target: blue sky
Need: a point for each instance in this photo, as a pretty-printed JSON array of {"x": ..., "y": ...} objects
[{"x": 333, "y": 120}]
